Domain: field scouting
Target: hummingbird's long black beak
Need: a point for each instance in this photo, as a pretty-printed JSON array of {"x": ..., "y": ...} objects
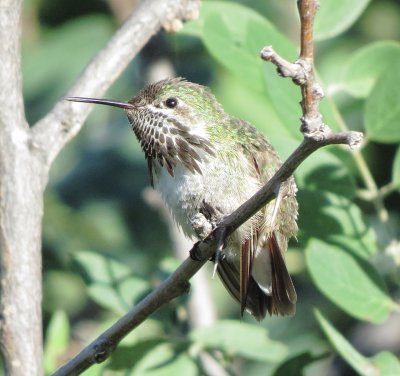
[{"x": 106, "y": 102}]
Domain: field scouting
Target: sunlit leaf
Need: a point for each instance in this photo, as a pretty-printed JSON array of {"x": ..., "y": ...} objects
[
  {"x": 365, "y": 66},
  {"x": 335, "y": 17},
  {"x": 239, "y": 338},
  {"x": 382, "y": 109},
  {"x": 351, "y": 284},
  {"x": 110, "y": 283},
  {"x": 387, "y": 363},
  {"x": 237, "y": 45},
  {"x": 56, "y": 340}
]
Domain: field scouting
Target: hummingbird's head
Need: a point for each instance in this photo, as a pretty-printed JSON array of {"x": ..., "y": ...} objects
[{"x": 171, "y": 119}]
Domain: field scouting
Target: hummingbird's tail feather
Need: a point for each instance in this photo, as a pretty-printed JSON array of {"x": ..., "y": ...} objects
[
  {"x": 283, "y": 297},
  {"x": 256, "y": 301},
  {"x": 279, "y": 299}
]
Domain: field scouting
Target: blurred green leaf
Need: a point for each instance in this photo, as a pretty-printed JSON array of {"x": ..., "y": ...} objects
[
  {"x": 296, "y": 364},
  {"x": 335, "y": 17},
  {"x": 56, "y": 341},
  {"x": 337, "y": 220},
  {"x": 122, "y": 357},
  {"x": 355, "y": 288},
  {"x": 149, "y": 358},
  {"x": 110, "y": 282},
  {"x": 382, "y": 109},
  {"x": 365, "y": 66},
  {"x": 239, "y": 338},
  {"x": 359, "y": 362},
  {"x": 387, "y": 363},
  {"x": 63, "y": 291},
  {"x": 56, "y": 62},
  {"x": 396, "y": 168},
  {"x": 383, "y": 364}
]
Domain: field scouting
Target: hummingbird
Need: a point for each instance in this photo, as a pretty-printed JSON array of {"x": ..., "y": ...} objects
[{"x": 206, "y": 163}]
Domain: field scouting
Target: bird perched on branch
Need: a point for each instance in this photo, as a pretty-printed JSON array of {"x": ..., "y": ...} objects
[{"x": 206, "y": 163}]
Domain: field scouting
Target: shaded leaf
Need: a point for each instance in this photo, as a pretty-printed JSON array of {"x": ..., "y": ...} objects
[
  {"x": 354, "y": 287},
  {"x": 396, "y": 169},
  {"x": 335, "y": 17},
  {"x": 296, "y": 364},
  {"x": 151, "y": 359},
  {"x": 126, "y": 357},
  {"x": 241, "y": 339},
  {"x": 383, "y": 364},
  {"x": 335, "y": 219}
]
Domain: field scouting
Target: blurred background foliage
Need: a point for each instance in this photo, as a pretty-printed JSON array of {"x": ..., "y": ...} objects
[{"x": 105, "y": 247}]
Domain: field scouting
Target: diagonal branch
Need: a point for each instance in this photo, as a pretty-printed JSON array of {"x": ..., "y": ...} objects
[
  {"x": 64, "y": 121},
  {"x": 316, "y": 135}
]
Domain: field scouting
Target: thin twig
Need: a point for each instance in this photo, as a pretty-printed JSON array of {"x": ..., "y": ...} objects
[{"x": 316, "y": 135}]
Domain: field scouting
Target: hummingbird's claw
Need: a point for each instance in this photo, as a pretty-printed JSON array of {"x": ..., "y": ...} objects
[{"x": 194, "y": 252}]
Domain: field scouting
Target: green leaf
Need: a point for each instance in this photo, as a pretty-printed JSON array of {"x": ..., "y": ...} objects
[
  {"x": 387, "y": 363},
  {"x": 351, "y": 284},
  {"x": 237, "y": 45},
  {"x": 110, "y": 282},
  {"x": 365, "y": 66},
  {"x": 57, "y": 340},
  {"x": 50, "y": 65},
  {"x": 359, "y": 362},
  {"x": 122, "y": 357},
  {"x": 382, "y": 109},
  {"x": 154, "y": 358},
  {"x": 335, "y": 219},
  {"x": 321, "y": 171},
  {"x": 285, "y": 97},
  {"x": 396, "y": 169},
  {"x": 335, "y": 17},
  {"x": 296, "y": 364},
  {"x": 240, "y": 339}
]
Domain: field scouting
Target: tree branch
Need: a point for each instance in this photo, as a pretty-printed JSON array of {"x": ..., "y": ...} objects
[
  {"x": 65, "y": 120},
  {"x": 20, "y": 212},
  {"x": 316, "y": 135}
]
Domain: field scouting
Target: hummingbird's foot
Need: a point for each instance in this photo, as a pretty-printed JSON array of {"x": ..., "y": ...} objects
[{"x": 194, "y": 253}]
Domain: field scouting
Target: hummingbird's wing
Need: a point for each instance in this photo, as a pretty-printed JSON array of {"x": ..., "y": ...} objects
[{"x": 268, "y": 286}]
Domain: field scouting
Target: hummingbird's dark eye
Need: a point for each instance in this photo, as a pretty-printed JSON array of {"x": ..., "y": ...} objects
[{"x": 171, "y": 102}]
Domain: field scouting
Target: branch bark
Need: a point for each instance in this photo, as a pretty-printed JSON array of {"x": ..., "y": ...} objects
[
  {"x": 26, "y": 155},
  {"x": 21, "y": 191}
]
